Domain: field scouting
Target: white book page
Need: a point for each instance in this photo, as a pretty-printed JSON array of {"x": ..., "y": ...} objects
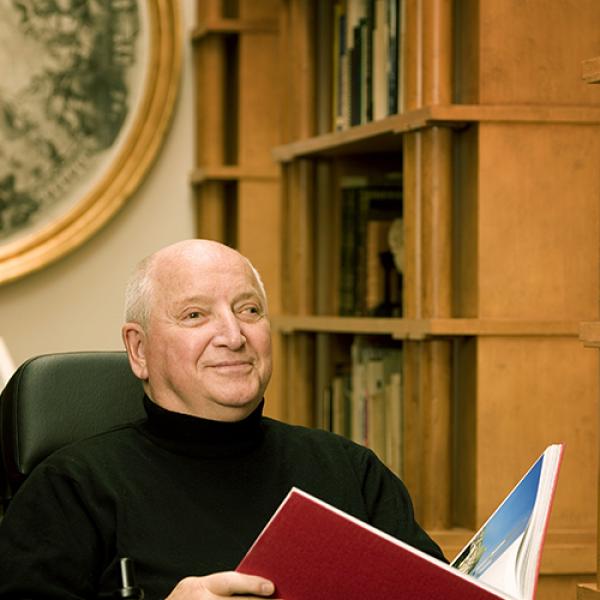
[{"x": 501, "y": 573}]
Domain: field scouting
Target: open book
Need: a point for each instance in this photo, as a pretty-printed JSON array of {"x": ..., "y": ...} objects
[{"x": 312, "y": 550}]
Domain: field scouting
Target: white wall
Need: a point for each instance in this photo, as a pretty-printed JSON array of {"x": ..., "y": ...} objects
[{"x": 76, "y": 303}]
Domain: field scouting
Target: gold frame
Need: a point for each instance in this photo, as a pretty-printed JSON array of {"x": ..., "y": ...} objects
[{"x": 127, "y": 168}]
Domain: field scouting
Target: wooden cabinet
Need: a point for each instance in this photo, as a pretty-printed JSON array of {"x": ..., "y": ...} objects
[{"x": 498, "y": 145}]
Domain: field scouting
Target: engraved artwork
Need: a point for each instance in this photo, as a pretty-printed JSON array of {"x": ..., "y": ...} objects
[{"x": 67, "y": 72}]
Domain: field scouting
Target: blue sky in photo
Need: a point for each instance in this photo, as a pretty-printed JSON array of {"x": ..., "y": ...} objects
[{"x": 510, "y": 520}]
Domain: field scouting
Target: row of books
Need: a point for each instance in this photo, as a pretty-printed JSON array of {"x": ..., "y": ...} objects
[
  {"x": 364, "y": 401},
  {"x": 366, "y": 63},
  {"x": 371, "y": 248}
]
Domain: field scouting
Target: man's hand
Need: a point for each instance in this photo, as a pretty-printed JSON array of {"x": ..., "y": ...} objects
[{"x": 222, "y": 585}]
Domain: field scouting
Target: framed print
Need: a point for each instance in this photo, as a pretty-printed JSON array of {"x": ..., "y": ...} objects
[{"x": 86, "y": 95}]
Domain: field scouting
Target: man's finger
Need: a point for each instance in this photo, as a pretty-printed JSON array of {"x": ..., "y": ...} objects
[{"x": 230, "y": 582}]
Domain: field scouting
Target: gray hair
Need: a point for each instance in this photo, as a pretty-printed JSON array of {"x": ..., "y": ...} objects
[{"x": 138, "y": 291}]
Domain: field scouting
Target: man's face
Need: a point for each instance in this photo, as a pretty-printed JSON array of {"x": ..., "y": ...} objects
[{"x": 207, "y": 347}]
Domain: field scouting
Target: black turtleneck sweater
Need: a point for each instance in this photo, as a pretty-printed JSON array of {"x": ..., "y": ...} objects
[{"x": 181, "y": 496}]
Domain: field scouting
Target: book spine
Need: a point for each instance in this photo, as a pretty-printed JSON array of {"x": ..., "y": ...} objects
[
  {"x": 355, "y": 76},
  {"x": 379, "y": 61},
  {"x": 369, "y": 28},
  {"x": 348, "y": 249},
  {"x": 339, "y": 69},
  {"x": 392, "y": 62}
]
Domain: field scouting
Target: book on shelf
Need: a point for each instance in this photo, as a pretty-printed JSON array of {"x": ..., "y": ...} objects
[
  {"x": 370, "y": 282},
  {"x": 311, "y": 549},
  {"x": 339, "y": 70},
  {"x": 366, "y": 62},
  {"x": 363, "y": 400},
  {"x": 335, "y": 405},
  {"x": 393, "y": 13}
]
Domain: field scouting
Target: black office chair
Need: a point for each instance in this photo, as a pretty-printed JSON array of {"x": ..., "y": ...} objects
[{"x": 55, "y": 399}]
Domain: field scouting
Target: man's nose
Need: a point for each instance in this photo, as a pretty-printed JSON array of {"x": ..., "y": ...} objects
[{"x": 228, "y": 331}]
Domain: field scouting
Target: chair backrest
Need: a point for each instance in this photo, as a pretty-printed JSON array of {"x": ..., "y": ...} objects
[{"x": 55, "y": 399}]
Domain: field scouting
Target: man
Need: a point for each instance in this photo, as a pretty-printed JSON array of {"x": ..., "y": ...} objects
[{"x": 185, "y": 492}]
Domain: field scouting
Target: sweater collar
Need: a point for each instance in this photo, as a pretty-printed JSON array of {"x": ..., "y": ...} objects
[{"x": 194, "y": 436}]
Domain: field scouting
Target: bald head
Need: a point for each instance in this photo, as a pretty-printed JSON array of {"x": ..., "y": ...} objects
[
  {"x": 197, "y": 331},
  {"x": 157, "y": 269}
]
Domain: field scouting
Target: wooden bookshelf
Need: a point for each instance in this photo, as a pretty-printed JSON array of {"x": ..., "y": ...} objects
[
  {"x": 220, "y": 25},
  {"x": 421, "y": 329},
  {"x": 386, "y": 133},
  {"x": 203, "y": 175},
  {"x": 501, "y": 233}
]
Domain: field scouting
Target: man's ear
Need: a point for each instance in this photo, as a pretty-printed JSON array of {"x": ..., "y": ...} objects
[{"x": 134, "y": 338}]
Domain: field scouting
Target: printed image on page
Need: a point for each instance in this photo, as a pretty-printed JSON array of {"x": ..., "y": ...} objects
[{"x": 501, "y": 536}]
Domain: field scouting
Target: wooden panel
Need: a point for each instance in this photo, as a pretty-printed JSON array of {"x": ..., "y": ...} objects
[
  {"x": 259, "y": 216},
  {"x": 427, "y": 285},
  {"x": 299, "y": 371},
  {"x": 589, "y": 333},
  {"x": 260, "y": 103},
  {"x": 437, "y": 51},
  {"x": 411, "y": 444},
  {"x": 298, "y": 77},
  {"x": 208, "y": 10},
  {"x": 205, "y": 173},
  {"x": 588, "y": 591},
  {"x": 531, "y": 51},
  {"x": 435, "y": 434},
  {"x": 539, "y": 221},
  {"x": 532, "y": 392},
  {"x": 426, "y": 443},
  {"x": 298, "y": 235},
  {"x": 229, "y": 26},
  {"x": 559, "y": 587},
  {"x": 464, "y": 249},
  {"x": 466, "y": 67},
  {"x": 327, "y": 238},
  {"x": 209, "y": 62},
  {"x": 412, "y": 299},
  {"x": 211, "y": 217},
  {"x": 590, "y": 69},
  {"x": 464, "y": 432},
  {"x": 436, "y": 202}
]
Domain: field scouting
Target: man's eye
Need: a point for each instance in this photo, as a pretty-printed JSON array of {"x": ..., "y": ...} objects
[
  {"x": 250, "y": 310},
  {"x": 194, "y": 314}
]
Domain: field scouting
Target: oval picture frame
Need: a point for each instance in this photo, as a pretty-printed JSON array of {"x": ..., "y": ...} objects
[{"x": 103, "y": 192}]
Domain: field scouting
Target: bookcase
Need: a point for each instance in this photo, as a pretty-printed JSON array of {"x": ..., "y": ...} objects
[{"x": 497, "y": 142}]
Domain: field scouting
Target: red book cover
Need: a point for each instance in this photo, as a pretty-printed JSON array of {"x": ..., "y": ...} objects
[{"x": 313, "y": 551}]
